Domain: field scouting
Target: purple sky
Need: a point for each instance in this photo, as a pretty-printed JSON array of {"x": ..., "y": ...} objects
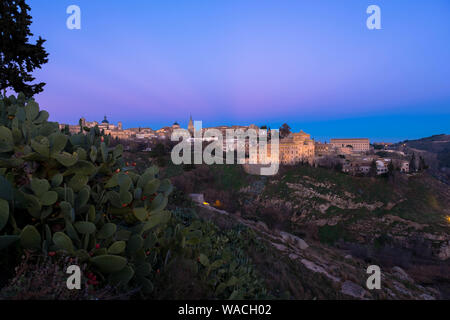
[{"x": 312, "y": 64}]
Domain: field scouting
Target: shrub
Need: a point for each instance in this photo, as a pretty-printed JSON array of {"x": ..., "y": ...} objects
[
  {"x": 43, "y": 278},
  {"x": 331, "y": 234}
]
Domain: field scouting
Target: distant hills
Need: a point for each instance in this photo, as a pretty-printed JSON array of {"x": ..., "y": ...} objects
[
  {"x": 436, "y": 144},
  {"x": 435, "y": 150}
]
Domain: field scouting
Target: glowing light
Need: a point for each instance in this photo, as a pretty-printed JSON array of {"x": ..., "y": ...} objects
[
  {"x": 206, "y": 203},
  {"x": 447, "y": 218}
]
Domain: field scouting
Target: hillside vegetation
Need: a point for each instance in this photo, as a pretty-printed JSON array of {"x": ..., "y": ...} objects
[{"x": 401, "y": 221}]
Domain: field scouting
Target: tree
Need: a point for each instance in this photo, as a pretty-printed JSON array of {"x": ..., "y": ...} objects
[
  {"x": 338, "y": 166},
  {"x": 159, "y": 150},
  {"x": 391, "y": 167},
  {"x": 422, "y": 164},
  {"x": 373, "y": 169},
  {"x": 285, "y": 130},
  {"x": 412, "y": 163},
  {"x": 391, "y": 171},
  {"x": 18, "y": 57}
]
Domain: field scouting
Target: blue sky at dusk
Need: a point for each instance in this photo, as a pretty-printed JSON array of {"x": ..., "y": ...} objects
[{"x": 312, "y": 64}]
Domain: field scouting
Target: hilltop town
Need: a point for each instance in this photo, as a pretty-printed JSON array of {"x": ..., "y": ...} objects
[{"x": 355, "y": 156}]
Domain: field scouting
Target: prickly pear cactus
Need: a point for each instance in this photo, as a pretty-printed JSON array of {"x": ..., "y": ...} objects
[{"x": 73, "y": 195}]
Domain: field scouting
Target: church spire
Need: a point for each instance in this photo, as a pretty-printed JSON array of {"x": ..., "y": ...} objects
[{"x": 191, "y": 124}]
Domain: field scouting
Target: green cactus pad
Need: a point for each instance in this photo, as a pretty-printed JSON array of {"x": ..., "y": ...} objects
[
  {"x": 143, "y": 269},
  {"x": 134, "y": 244},
  {"x": 122, "y": 277},
  {"x": 82, "y": 167},
  {"x": 78, "y": 181},
  {"x": 70, "y": 230},
  {"x": 30, "y": 238},
  {"x": 118, "y": 150},
  {"x": 6, "y": 139},
  {"x": 140, "y": 213},
  {"x": 31, "y": 110},
  {"x": 91, "y": 213},
  {"x": 4, "y": 213},
  {"x": 124, "y": 181},
  {"x": 33, "y": 205},
  {"x": 82, "y": 198},
  {"x": 203, "y": 259},
  {"x": 57, "y": 179},
  {"x": 156, "y": 219},
  {"x": 6, "y": 190},
  {"x": 39, "y": 186},
  {"x": 57, "y": 142},
  {"x": 114, "y": 198},
  {"x": 109, "y": 263},
  {"x": 151, "y": 187},
  {"x": 112, "y": 182},
  {"x": 137, "y": 193},
  {"x": 85, "y": 227},
  {"x": 82, "y": 154},
  {"x": 42, "y": 117},
  {"x": 104, "y": 151},
  {"x": 147, "y": 285},
  {"x": 49, "y": 198},
  {"x": 117, "y": 247},
  {"x": 107, "y": 231},
  {"x": 125, "y": 197},
  {"x": 93, "y": 154},
  {"x": 42, "y": 147},
  {"x": 63, "y": 242},
  {"x": 66, "y": 159},
  {"x": 159, "y": 203}
]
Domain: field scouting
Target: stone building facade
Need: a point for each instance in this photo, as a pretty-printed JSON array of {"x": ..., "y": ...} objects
[
  {"x": 295, "y": 148},
  {"x": 356, "y": 144}
]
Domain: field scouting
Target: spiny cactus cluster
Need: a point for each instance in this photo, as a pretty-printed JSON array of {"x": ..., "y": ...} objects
[
  {"x": 73, "y": 195},
  {"x": 222, "y": 262},
  {"x": 64, "y": 195}
]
